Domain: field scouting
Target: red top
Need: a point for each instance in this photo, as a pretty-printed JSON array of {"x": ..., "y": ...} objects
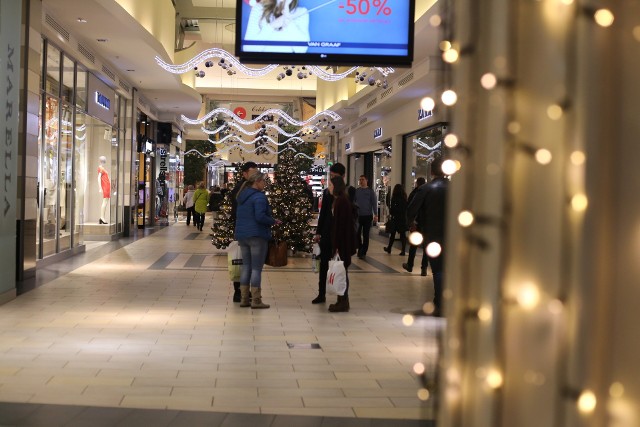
[{"x": 105, "y": 183}]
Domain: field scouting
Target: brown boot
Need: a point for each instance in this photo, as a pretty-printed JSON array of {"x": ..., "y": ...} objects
[
  {"x": 342, "y": 305},
  {"x": 244, "y": 296},
  {"x": 256, "y": 299}
]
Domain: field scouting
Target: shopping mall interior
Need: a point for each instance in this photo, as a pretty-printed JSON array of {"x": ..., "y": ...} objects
[{"x": 115, "y": 310}]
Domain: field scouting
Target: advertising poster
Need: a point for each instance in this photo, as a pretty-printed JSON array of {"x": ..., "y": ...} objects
[{"x": 344, "y": 27}]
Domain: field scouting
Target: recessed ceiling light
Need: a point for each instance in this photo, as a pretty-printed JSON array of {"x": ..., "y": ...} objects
[
  {"x": 82, "y": 20},
  {"x": 102, "y": 40}
]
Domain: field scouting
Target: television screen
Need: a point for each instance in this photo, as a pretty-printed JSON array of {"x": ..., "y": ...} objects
[{"x": 335, "y": 32}]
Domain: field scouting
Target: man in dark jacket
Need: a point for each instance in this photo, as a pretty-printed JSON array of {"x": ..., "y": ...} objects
[
  {"x": 420, "y": 181},
  {"x": 323, "y": 231},
  {"x": 428, "y": 208},
  {"x": 247, "y": 169}
]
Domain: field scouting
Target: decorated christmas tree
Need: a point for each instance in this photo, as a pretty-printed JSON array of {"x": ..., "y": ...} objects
[
  {"x": 222, "y": 230},
  {"x": 291, "y": 203}
]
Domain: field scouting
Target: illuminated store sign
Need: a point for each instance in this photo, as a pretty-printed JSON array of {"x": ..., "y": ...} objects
[
  {"x": 103, "y": 101},
  {"x": 377, "y": 133},
  {"x": 100, "y": 98},
  {"x": 163, "y": 163},
  {"x": 423, "y": 114}
]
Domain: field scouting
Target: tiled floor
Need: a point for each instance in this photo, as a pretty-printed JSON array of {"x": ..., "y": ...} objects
[{"x": 149, "y": 330}]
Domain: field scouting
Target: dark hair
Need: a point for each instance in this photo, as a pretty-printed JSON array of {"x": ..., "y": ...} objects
[
  {"x": 436, "y": 167},
  {"x": 420, "y": 180},
  {"x": 338, "y": 168},
  {"x": 248, "y": 165},
  {"x": 398, "y": 191},
  {"x": 339, "y": 186}
]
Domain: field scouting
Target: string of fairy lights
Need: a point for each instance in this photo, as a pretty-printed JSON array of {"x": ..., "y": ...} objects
[{"x": 527, "y": 296}]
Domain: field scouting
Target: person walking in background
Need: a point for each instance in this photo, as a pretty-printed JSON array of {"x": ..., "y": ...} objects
[
  {"x": 188, "y": 204},
  {"x": 398, "y": 212},
  {"x": 323, "y": 232},
  {"x": 367, "y": 204},
  {"x": 419, "y": 228},
  {"x": 343, "y": 240},
  {"x": 253, "y": 232},
  {"x": 428, "y": 208},
  {"x": 200, "y": 201},
  {"x": 246, "y": 170}
]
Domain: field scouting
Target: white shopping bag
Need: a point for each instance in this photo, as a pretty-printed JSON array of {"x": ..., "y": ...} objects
[
  {"x": 234, "y": 261},
  {"x": 336, "y": 277},
  {"x": 315, "y": 258}
]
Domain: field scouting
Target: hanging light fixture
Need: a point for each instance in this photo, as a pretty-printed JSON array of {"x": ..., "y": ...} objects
[
  {"x": 316, "y": 119},
  {"x": 230, "y": 64}
]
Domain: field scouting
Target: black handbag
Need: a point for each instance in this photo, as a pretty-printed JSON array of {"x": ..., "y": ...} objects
[{"x": 389, "y": 226}]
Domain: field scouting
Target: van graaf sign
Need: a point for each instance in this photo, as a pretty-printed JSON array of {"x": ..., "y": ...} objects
[{"x": 10, "y": 27}]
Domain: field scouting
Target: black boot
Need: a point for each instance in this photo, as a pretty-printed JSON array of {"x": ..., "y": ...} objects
[
  {"x": 237, "y": 295},
  {"x": 342, "y": 305}
]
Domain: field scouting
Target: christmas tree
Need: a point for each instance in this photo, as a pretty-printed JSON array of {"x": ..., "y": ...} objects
[
  {"x": 291, "y": 204},
  {"x": 222, "y": 229}
]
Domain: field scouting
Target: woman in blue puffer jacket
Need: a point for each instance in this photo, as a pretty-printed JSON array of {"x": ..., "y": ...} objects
[{"x": 253, "y": 232}]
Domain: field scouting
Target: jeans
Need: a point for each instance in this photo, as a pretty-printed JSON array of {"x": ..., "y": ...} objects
[
  {"x": 254, "y": 253},
  {"x": 364, "y": 227}
]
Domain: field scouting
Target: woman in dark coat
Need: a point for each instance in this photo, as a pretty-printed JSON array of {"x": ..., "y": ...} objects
[
  {"x": 343, "y": 236},
  {"x": 398, "y": 211}
]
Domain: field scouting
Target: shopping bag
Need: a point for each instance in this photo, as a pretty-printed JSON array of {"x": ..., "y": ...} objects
[
  {"x": 336, "y": 277},
  {"x": 315, "y": 258},
  {"x": 234, "y": 261},
  {"x": 277, "y": 253}
]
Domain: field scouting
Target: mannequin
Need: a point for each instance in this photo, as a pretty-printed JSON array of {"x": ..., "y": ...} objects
[{"x": 104, "y": 187}]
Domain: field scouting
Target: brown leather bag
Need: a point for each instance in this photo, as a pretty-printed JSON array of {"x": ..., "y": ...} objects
[{"x": 277, "y": 253}]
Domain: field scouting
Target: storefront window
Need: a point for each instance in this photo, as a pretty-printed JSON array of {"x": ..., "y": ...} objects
[
  {"x": 99, "y": 172},
  {"x": 49, "y": 175},
  {"x": 68, "y": 72},
  {"x": 79, "y": 164},
  {"x": 64, "y": 177},
  {"x": 422, "y": 147},
  {"x": 52, "y": 82},
  {"x": 81, "y": 89},
  {"x": 80, "y": 175},
  {"x": 40, "y": 185},
  {"x": 381, "y": 184}
]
